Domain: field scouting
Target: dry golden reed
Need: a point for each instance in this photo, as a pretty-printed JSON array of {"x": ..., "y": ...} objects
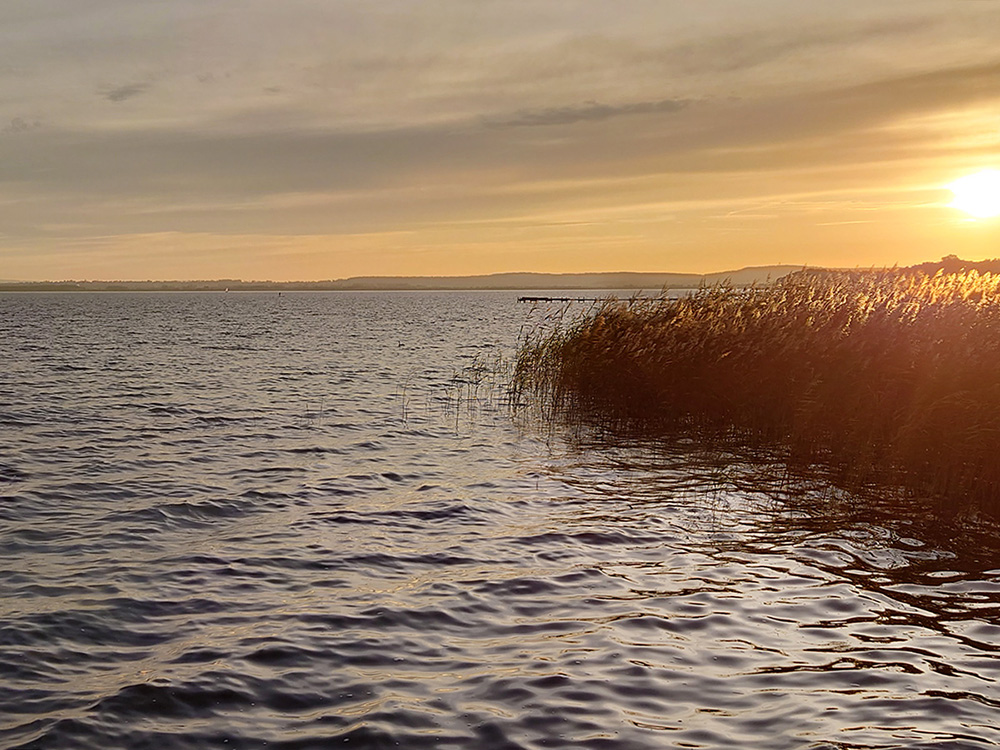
[{"x": 887, "y": 377}]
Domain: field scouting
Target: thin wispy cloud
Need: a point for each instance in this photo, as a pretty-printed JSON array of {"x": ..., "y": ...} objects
[
  {"x": 20, "y": 125},
  {"x": 588, "y": 112},
  {"x": 121, "y": 93}
]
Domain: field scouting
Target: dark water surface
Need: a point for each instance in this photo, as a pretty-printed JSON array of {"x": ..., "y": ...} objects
[{"x": 244, "y": 521}]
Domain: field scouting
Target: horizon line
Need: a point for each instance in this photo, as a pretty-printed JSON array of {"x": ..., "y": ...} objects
[{"x": 407, "y": 276}]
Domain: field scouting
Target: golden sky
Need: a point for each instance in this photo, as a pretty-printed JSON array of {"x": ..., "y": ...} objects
[{"x": 310, "y": 139}]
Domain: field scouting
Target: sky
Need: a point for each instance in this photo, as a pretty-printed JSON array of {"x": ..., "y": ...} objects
[{"x": 321, "y": 139}]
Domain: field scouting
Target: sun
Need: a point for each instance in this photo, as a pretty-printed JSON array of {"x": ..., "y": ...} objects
[{"x": 978, "y": 194}]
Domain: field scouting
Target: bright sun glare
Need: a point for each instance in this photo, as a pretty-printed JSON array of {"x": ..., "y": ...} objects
[{"x": 978, "y": 194}]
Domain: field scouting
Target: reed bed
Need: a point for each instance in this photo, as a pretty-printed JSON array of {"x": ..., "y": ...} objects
[{"x": 888, "y": 378}]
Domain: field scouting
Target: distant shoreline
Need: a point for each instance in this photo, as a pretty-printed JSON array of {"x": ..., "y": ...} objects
[{"x": 625, "y": 280}]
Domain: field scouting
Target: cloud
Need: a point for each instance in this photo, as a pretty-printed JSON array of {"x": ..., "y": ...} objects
[
  {"x": 20, "y": 125},
  {"x": 128, "y": 91},
  {"x": 235, "y": 179},
  {"x": 589, "y": 112}
]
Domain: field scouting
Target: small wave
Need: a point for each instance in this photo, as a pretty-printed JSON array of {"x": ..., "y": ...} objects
[
  {"x": 187, "y": 514},
  {"x": 11, "y": 474},
  {"x": 588, "y": 538},
  {"x": 88, "y": 628},
  {"x": 169, "y": 410},
  {"x": 400, "y": 518},
  {"x": 368, "y": 445},
  {"x": 210, "y": 697},
  {"x": 268, "y": 471},
  {"x": 221, "y": 420}
]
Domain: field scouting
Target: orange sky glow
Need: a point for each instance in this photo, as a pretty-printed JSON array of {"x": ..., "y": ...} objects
[{"x": 321, "y": 140}]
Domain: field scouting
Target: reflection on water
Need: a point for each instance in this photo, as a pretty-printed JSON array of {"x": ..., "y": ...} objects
[{"x": 245, "y": 521}]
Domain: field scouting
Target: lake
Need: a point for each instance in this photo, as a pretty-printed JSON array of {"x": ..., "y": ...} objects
[{"x": 311, "y": 521}]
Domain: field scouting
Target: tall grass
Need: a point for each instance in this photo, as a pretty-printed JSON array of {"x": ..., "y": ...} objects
[{"x": 889, "y": 378}]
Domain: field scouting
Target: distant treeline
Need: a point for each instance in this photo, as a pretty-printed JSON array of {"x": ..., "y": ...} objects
[
  {"x": 949, "y": 264},
  {"x": 954, "y": 264},
  {"x": 499, "y": 281},
  {"x": 219, "y": 285},
  {"x": 625, "y": 280}
]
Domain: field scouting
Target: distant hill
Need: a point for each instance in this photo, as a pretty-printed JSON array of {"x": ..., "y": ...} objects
[
  {"x": 619, "y": 280},
  {"x": 496, "y": 281}
]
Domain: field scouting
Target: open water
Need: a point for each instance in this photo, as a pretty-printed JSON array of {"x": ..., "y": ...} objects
[{"x": 308, "y": 521}]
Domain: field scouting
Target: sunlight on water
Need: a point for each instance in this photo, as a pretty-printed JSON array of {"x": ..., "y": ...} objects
[{"x": 256, "y": 522}]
